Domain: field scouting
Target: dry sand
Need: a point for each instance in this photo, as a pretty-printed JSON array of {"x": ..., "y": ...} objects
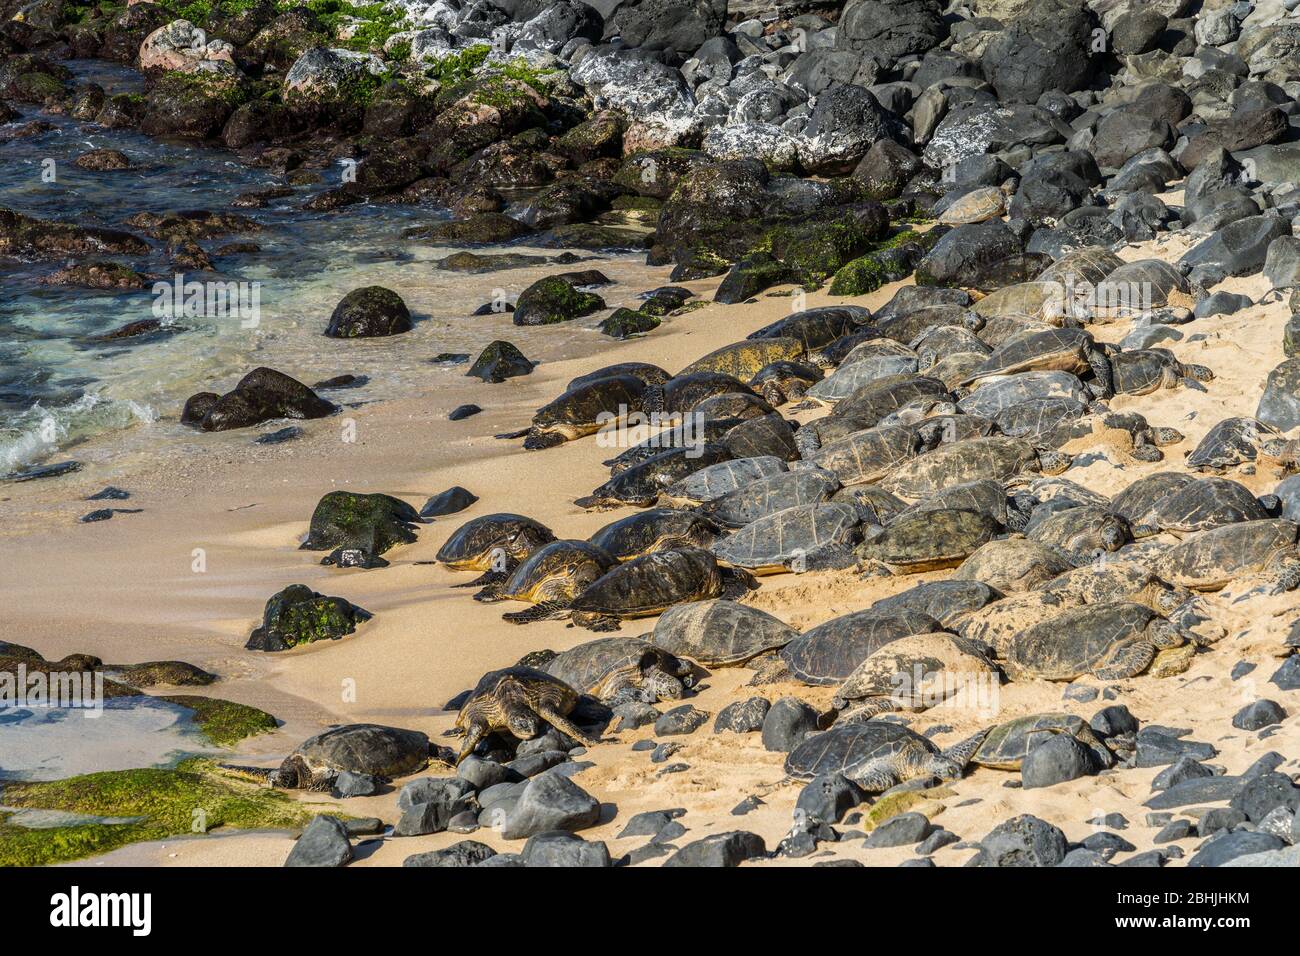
[{"x": 125, "y": 590}]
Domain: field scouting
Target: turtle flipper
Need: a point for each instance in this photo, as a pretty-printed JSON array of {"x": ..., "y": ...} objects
[
  {"x": 876, "y": 780},
  {"x": 961, "y": 752},
  {"x": 736, "y": 583},
  {"x": 563, "y": 724},
  {"x": 542, "y": 611},
  {"x": 652, "y": 399},
  {"x": 536, "y": 439},
  {"x": 1128, "y": 660},
  {"x": 492, "y": 593},
  {"x": 597, "y": 622},
  {"x": 507, "y": 436},
  {"x": 1101, "y": 370},
  {"x": 478, "y": 729},
  {"x": 489, "y": 578}
]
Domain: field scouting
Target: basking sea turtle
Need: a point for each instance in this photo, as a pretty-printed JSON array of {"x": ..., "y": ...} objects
[
  {"x": 1007, "y": 745},
  {"x": 945, "y": 341},
  {"x": 804, "y": 537},
  {"x": 550, "y": 578},
  {"x": 948, "y": 602},
  {"x": 1081, "y": 270},
  {"x": 831, "y": 651},
  {"x": 1232, "y": 442},
  {"x": 690, "y": 432},
  {"x": 1136, "y": 288},
  {"x": 1107, "y": 641},
  {"x": 1200, "y": 505},
  {"x": 720, "y": 633},
  {"x": 877, "y": 348},
  {"x": 927, "y": 541},
  {"x": 867, "y": 456},
  {"x": 615, "y": 669},
  {"x": 999, "y": 394},
  {"x": 910, "y": 326},
  {"x": 878, "y": 755},
  {"x": 953, "y": 369},
  {"x": 1139, "y": 500},
  {"x": 1064, "y": 350},
  {"x": 494, "y": 544},
  {"x": 659, "y": 529},
  {"x": 979, "y": 205},
  {"x": 649, "y": 584},
  {"x": 519, "y": 701},
  {"x": 723, "y": 478},
  {"x": 875, "y": 505},
  {"x": 682, "y": 393},
  {"x": 1035, "y": 300},
  {"x": 731, "y": 407},
  {"x": 1014, "y": 564},
  {"x": 848, "y": 378},
  {"x": 1210, "y": 560},
  {"x": 743, "y": 359},
  {"x": 784, "y": 381},
  {"x": 764, "y": 435},
  {"x": 758, "y": 499},
  {"x": 994, "y": 457},
  {"x": 647, "y": 373},
  {"x": 816, "y": 328},
  {"x": 642, "y": 484},
  {"x": 1117, "y": 581},
  {"x": 873, "y": 402},
  {"x": 585, "y": 410},
  {"x": 996, "y": 624},
  {"x": 917, "y": 672},
  {"x": 360, "y": 748},
  {"x": 1142, "y": 371},
  {"x": 1085, "y": 530},
  {"x": 985, "y": 495},
  {"x": 833, "y": 354}
]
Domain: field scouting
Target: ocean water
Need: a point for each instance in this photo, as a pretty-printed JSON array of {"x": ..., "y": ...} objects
[{"x": 59, "y": 388}]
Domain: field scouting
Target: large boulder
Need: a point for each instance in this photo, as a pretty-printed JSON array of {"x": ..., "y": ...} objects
[
  {"x": 369, "y": 312},
  {"x": 651, "y": 96},
  {"x": 182, "y": 47},
  {"x": 1048, "y": 47},
  {"x": 846, "y": 122},
  {"x": 1279, "y": 406},
  {"x": 325, "y": 75},
  {"x": 889, "y": 29},
  {"x": 261, "y": 395},
  {"x": 677, "y": 26}
]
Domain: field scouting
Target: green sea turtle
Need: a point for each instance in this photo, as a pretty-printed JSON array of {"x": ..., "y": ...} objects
[
  {"x": 743, "y": 360},
  {"x": 997, "y": 623},
  {"x": 1064, "y": 350},
  {"x": 804, "y": 537},
  {"x": 647, "y": 373},
  {"x": 993, "y": 457},
  {"x": 731, "y": 407},
  {"x": 494, "y": 544},
  {"x": 979, "y": 205},
  {"x": 909, "y": 326},
  {"x": 585, "y": 410},
  {"x": 1086, "y": 530},
  {"x": 1035, "y": 300},
  {"x": 828, "y": 653},
  {"x": 926, "y": 541},
  {"x": 723, "y": 478},
  {"x": 549, "y": 579},
  {"x": 999, "y": 394},
  {"x": 875, "y": 505},
  {"x": 758, "y": 499},
  {"x": 873, "y": 402},
  {"x": 691, "y": 431},
  {"x": 917, "y": 672},
  {"x": 1233, "y": 442},
  {"x": 1014, "y": 564},
  {"x": 1007, "y": 744},
  {"x": 1142, "y": 371},
  {"x": 360, "y": 748},
  {"x": 658, "y": 529},
  {"x": 785, "y": 381},
  {"x": 1136, "y": 288},
  {"x": 720, "y": 633},
  {"x": 1106, "y": 641},
  {"x": 948, "y": 602},
  {"x": 855, "y": 375},
  {"x": 1082, "y": 269},
  {"x": 1139, "y": 500},
  {"x": 984, "y": 495},
  {"x": 1116, "y": 581},
  {"x": 642, "y": 484},
  {"x": 651, "y": 583},
  {"x": 1198, "y": 505},
  {"x": 681, "y": 393},
  {"x": 832, "y": 354},
  {"x": 1212, "y": 559},
  {"x": 615, "y": 669},
  {"x": 760, "y": 436},
  {"x": 867, "y": 456},
  {"x": 946, "y": 341},
  {"x": 816, "y": 328},
  {"x": 878, "y": 755},
  {"x": 1045, "y": 422},
  {"x": 520, "y": 701}
]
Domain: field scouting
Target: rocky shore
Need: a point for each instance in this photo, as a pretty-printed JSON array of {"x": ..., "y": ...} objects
[{"x": 964, "y": 531}]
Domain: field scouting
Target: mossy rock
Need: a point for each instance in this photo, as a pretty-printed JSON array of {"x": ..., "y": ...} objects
[
  {"x": 373, "y": 523},
  {"x": 904, "y": 801},
  {"x": 195, "y": 797},
  {"x": 173, "y": 673},
  {"x": 817, "y": 250},
  {"x": 224, "y": 722},
  {"x": 500, "y": 361},
  {"x": 601, "y": 135},
  {"x": 593, "y": 237},
  {"x": 485, "y": 228},
  {"x": 193, "y": 105},
  {"x": 554, "y": 299},
  {"x": 298, "y": 615},
  {"x": 752, "y": 275},
  {"x": 625, "y": 323},
  {"x": 655, "y": 172},
  {"x": 369, "y": 312},
  {"x": 890, "y": 261}
]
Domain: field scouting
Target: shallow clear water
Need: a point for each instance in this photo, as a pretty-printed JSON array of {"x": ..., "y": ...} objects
[{"x": 57, "y": 388}]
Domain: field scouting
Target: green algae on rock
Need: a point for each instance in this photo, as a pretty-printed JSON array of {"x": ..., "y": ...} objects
[
  {"x": 625, "y": 323},
  {"x": 373, "y": 523},
  {"x": 554, "y": 299},
  {"x": 298, "y": 615},
  {"x": 194, "y": 798},
  {"x": 224, "y": 722}
]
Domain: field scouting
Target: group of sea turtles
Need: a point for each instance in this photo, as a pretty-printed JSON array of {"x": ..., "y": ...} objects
[{"x": 928, "y": 436}]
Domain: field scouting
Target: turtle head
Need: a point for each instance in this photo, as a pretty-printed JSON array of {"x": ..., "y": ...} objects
[
  {"x": 660, "y": 685},
  {"x": 1112, "y": 537},
  {"x": 538, "y": 438},
  {"x": 1052, "y": 462},
  {"x": 972, "y": 321},
  {"x": 523, "y": 723},
  {"x": 1166, "y": 634}
]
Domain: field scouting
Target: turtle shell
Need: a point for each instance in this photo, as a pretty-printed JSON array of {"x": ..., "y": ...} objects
[
  {"x": 724, "y": 478},
  {"x": 920, "y": 670},
  {"x": 1007, "y": 744},
  {"x": 1001, "y": 393},
  {"x": 908, "y": 326},
  {"x": 847, "y": 379},
  {"x": 1138, "y": 287},
  {"x": 1209, "y": 560},
  {"x": 1074, "y": 642},
  {"x": 475, "y": 544},
  {"x": 948, "y": 602},
  {"x": 720, "y": 633},
  {"x": 1013, "y": 564},
  {"x": 873, "y": 402},
  {"x": 979, "y": 205},
  {"x": 1045, "y": 422},
  {"x": 659, "y": 529},
  {"x": 731, "y": 407},
  {"x": 1037, "y": 301},
  {"x": 831, "y": 651},
  {"x": 868, "y": 455},
  {"x": 642, "y": 484},
  {"x": 846, "y": 747},
  {"x": 758, "y": 499},
  {"x": 816, "y": 328},
  {"x": 652, "y": 582},
  {"x": 930, "y": 540},
  {"x": 743, "y": 359},
  {"x": 1142, "y": 371},
  {"x": 996, "y": 624},
  {"x": 875, "y": 505},
  {"x": 588, "y": 667},
  {"x": 1107, "y": 583},
  {"x": 785, "y": 373},
  {"x": 647, "y": 373},
  {"x": 366, "y": 748},
  {"x": 762, "y": 436},
  {"x": 950, "y": 340},
  {"x": 1207, "y": 503},
  {"x": 985, "y": 495},
  {"x": 560, "y": 570},
  {"x": 1054, "y": 350},
  {"x": 1084, "y": 529},
  {"x": 1232, "y": 442},
  {"x": 772, "y": 542},
  {"x": 1082, "y": 269},
  {"x": 682, "y": 393},
  {"x": 586, "y": 408},
  {"x": 993, "y": 457}
]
